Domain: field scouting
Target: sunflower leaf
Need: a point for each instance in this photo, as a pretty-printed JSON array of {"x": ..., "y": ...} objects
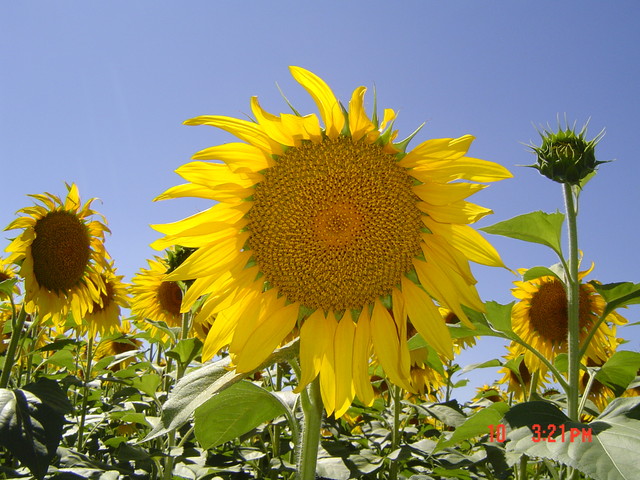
[
  {"x": 534, "y": 227},
  {"x": 476, "y": 425},
  {"x": 499, "y": 316},
  {"x": 605, "y": 449},
  {"x": 198, "y": 386},
  {"x": 234, "y": 412},
  {"x": 618, "y": 294},
  {"x": 619, "y": 371},
  {"x": 31, "y": 421}
]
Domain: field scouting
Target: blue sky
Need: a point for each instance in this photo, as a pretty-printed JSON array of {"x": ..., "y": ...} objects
[{"x": 96, "y": 93}]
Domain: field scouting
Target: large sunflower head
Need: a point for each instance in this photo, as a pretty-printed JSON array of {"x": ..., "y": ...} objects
[
  {"x": 61, "y": 253},
  {"x": 541, "y": 319},
  {"x": 335, "y": 229}
]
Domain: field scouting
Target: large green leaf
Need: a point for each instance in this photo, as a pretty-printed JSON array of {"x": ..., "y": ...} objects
[
  {"x": 234, "y": 412},
  {"x": 535, "y": 227},
  {"x": 619, "y": 371},
  {"x": 499, "y": 316},
  {"x": 198, "y": 386},
  {"x": 618, "y": 294},
  {"x": 608, "y": 453},
  {"x": 31, "y": 421},
  {"x": 476, "y": 425}
]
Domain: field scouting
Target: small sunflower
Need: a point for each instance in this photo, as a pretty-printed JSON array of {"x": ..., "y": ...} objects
[
  {"x": 61, "y": 253},
  {"x": 155, "y": 298},
  {"x": 7, "y": 272},
  {"x": 105, "y": 315},
  {"x": 425, "y": 380},
  {"x": 518, "y": 376},
  {"x": 461, "y": 343},
  {"x": 492, "y": 393},
  {"x": 121, "y": 342},
  {"x": 540, "y": 319},
  {"x": 335, "y": 230},
  {"x": 599, "y": 393}
]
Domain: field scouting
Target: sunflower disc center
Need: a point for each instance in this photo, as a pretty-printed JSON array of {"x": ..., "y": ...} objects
[
  {"x": 60, "y": 250},
  {"x": 335, "y": 224},
  {"x": 170, "y": 297},
  {"x": 549, "y": 315}
]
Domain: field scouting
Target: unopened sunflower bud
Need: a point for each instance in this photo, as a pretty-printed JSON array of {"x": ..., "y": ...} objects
[{"x": 566, "y": 156}]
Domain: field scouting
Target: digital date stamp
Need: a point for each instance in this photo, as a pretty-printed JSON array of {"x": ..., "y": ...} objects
[{"x": 550, "y": 433}]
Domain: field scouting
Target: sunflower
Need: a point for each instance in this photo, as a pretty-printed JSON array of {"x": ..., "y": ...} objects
[
  {"x": 155, "y": 298},
  {"x": 105, "y": 315},
  {"x": 7, "y": 272},
  {"x": 336, "y": 230},
  {"x": 122, "y": 342},
  {"x": 425, "y": 380},
  {"x": 540, "y": 319},
  {"x": 461, "y": 343},
  {"x": 61, "y": 253},
  {"x": 491, "y": 393},
  {"x": 518, "y": 376}
]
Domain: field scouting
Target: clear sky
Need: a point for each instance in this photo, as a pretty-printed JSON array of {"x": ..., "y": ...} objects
[{"x": 96, "y": 93}]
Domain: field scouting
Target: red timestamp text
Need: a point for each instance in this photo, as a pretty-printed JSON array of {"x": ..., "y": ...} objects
[{"x": 550, "y": 433}]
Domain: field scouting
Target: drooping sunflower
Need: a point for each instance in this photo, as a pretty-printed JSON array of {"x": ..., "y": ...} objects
[
  {"x": 461, "y": 343},
  {"x": 61, "y": 253},
  {"x": 336, "y": 230},
  {"x": 121, "y": 342},
  {"x": 540, "y": 318},
  {"x": 7, "y": 272},
  {"x": 104, "y": 316}
]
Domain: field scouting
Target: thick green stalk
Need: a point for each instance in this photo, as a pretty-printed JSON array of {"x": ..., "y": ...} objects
[
  {"x": 396, "y": 393},
  {"x": 9, "y": 359},
  {"x": 573, "y": 307},
  {"x": 573, "y": 311},
  {"x": 312, "y": 408},
  {"x": 86, "y": 390}
]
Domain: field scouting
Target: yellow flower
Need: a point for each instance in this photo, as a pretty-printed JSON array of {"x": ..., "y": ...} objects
[
  {"x": 540, "y": 319},
  {"x": 155, "y": 298},
  {"x": 7, "y": 272},
  {"x": 61, "y": 254},
  {"x": 491, "y": 393},
  {"x": 337, "y": 231},
  {"x": 461, "y": 343},
  {"x": 425, "y": 380},
  {"x": 518, "y": 376},
  {"x": 105, "y": 315},
  {"x": 117, "y": 345}
]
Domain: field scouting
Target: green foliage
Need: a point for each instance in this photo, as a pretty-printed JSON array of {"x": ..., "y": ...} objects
[
  {"x": 234, "y": 412},
  {"x": 605, "y": 449},
  {"x": 31, "y": 421},
  {"x": 535, "y": 227}
]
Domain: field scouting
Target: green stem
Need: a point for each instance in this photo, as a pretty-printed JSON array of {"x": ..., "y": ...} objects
[
  {"x": 396, "y": 393},
  {"x": 573, "y": 304},
  {"x": 573, "y": 311},
  {"x": 312, "y": 409},
  {"x": 9, "y": 359},
  {"x": 85, "y": 394}
]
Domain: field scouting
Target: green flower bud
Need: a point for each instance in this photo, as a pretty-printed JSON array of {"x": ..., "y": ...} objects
[{"x": 566, "y": 156}]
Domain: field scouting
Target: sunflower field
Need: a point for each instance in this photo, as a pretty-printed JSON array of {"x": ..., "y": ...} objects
[{"x": 307, "y": 324}]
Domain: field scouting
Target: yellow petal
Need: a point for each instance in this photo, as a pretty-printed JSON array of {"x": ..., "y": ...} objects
[
  {"x": 436, "y": 249},
  {"x": 327, "y": 369},
  {"x": 465, "y": 168},
  {"x": 239, "y": 157},
  {"x": 250, "y": 132},
  {"x": 436, "y": 149},
  {"x": 359, "y": 122},
  {"x": 212, "y": 259},
  {"x": 73, "y": 198},
  {"x": 267, "y": 336},
  {"x": 456, "y": 212},
  {"x": 314, "y": 342},
  {"x": 387, "y": 346},
  {"x": 199, "y": 191},
  {"x": 215, "y": 175},
  {"x": 361, "y": 355},
  {"x": 444, "y": 193},
  {"x": 268, "y": 302},
  {"x": 343, "y": 354},
  {"x": 424, "y": 315},
  {"x": 468, "y": 241},
  {"x": 400, "y": 318},
  {"x": 326, "y": 101},
  {"x": 271, "y": 124},
  {"x": 222, "y": 213}
]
